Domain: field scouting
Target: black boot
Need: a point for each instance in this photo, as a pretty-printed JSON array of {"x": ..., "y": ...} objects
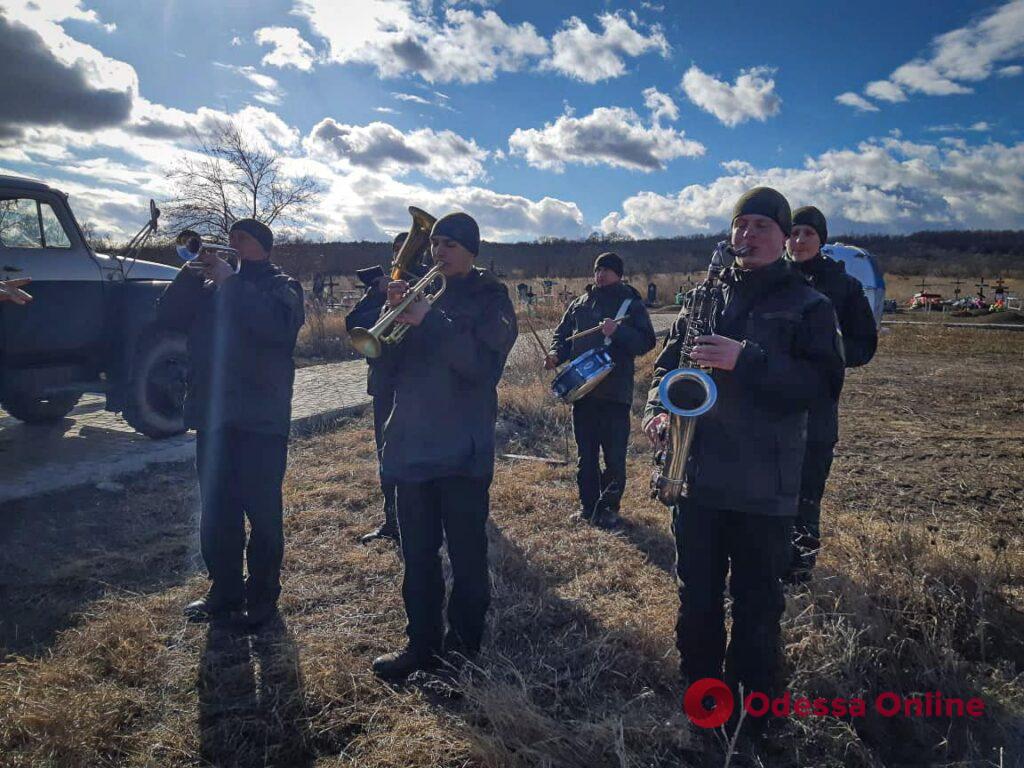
[
  {"x": 397, "y": 666},
  {"x": 386, "y": 531},
  {"x": 212, "y": 607}
]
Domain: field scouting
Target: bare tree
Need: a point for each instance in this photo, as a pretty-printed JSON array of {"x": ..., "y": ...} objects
[{"x": 233, "y": 178}]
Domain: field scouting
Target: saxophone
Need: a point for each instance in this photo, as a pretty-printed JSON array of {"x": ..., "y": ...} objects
[{"x": 689, "y": 391}]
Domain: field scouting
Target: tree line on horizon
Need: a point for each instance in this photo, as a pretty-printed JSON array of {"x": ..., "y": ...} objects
[{"x": 953, "y": 253}]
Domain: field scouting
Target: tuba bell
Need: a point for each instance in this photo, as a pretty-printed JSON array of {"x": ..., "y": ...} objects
[{"x": 370, "y": 341}]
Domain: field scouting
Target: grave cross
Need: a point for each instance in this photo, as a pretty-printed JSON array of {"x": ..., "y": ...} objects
[
  {"x": 924, "y": 285},
  {"x": 329, "y": 285},
  {"x": 956, "y": 288},
  {"x": 981, "y": 288}
]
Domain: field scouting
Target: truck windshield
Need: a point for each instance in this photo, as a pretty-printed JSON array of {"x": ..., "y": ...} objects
[{"x": 28, "y": 223}]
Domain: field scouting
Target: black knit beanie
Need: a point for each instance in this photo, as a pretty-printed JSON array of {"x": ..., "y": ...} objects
[
  {"x": 460, "y": 227},
  {"x": 809, "y": 216},
  {"x": 765, "y": 201},
  {"x": 610, "y": 261},
  {"x": 258, "y": 230}
]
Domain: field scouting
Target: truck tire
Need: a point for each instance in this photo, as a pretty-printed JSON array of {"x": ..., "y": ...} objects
[
  {"x": 40, "y": 410},
  {"x": 156, "y": 393}
]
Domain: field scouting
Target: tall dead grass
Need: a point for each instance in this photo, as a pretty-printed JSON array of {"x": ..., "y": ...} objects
[{"x": 920, "y": 588}]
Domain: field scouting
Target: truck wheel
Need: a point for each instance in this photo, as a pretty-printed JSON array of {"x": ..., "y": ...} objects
[
  {"x": 156, "y": 392},
  {"x": 39, "y": 410}
]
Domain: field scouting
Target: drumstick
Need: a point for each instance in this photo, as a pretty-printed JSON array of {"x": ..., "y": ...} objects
[
  {"x": 543, "y": 349},
  {"x": 589, "y": 331}
]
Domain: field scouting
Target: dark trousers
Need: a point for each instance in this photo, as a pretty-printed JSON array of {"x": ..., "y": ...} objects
[
  {"x": 452, "y": 508},
  {"x": 807, "y": 525},
  {"x": 753, "y": 551},
  {"x": 600, "y": 426},
  {"x": 240, "y": 476},
  {"x": 382, "y": 405}
]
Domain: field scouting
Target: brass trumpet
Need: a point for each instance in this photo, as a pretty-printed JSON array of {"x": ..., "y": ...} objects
[
  {"x": 190, "y": 246},
  {"x": 370, "y": 341}
]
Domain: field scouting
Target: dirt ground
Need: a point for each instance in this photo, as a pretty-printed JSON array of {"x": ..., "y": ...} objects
[{"x": 924, "y": 531}]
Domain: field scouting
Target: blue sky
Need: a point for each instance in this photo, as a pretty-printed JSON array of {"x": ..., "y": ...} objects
[{"x": 645, "y": 119}]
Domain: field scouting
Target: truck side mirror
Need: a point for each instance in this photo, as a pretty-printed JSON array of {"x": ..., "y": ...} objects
[{"x": 154, "y": 214}]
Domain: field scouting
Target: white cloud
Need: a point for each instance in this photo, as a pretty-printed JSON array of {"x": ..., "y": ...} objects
[
  {"x": 399, "y": 37},
  {"x": 856, "y": 101},
  {"x": 752, "y": 96},
  {"x": 289, "y": 49},
  {"x": 660, "y": 105},
  {"x": 882, "y": 185},
  {"x": 885, "y": 90},
  {"x": 268, "y": 92},
  {"x": 924, "y": 78},
  {"x": 365, "y": 204},
  {"x": 594, "y": 56},
  {"x": 410, "y": 97},
  {"x": 382, "y": 147},
  {"x": 58, "y": 80},
  {"x": 980, "y": 126},
  {"x": 608, "y": 136},
  {"x": 965, "y": 55}
]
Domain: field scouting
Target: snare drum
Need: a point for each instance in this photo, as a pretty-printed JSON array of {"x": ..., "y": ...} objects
[{"x": 582, "y": 374}]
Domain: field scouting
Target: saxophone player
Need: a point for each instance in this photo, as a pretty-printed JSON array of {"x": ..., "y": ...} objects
[{"x": 775, "y": 349}]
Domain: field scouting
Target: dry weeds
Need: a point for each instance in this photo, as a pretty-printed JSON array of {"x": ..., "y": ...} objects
[{"x": 921, "y": 588}]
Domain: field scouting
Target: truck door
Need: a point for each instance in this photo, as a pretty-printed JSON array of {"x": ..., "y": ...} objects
[{"x": 64, "y": 322}]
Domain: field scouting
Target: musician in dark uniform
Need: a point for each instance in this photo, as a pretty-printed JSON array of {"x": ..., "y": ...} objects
[
  {"x": 241, "y": 335},
  {"x": 600, "y": 419},
  {"x": 439, "y": 446},
  {"x": 378, "y": 384},
  {"x": 775, "y": 350},
  {"x": 860, "y": 339}
]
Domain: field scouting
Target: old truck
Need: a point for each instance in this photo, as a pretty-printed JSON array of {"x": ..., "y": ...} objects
[{"x": 88, "y": 328}]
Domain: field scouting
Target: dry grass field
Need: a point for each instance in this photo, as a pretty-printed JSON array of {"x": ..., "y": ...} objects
[{"x": 920, "y": 588}]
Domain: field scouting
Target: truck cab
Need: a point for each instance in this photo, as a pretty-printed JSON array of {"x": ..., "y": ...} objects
[{"x": 87, "y": 328}]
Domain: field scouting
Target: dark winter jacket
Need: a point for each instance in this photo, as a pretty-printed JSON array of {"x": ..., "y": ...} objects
[
  {"x": 634, "y": 336},
  {"x": 364, "y": 315},
  {"x": 241, "y": 337},
  {"x": 748, "y": 449},
  {"x": 857, "y": 324},
  {"x": 446, "y": 374}
]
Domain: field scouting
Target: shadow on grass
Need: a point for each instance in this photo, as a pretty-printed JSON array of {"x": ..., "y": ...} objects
[{"x": 252, "y": 703}]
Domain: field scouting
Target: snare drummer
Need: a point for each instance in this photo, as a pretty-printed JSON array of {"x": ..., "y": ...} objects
[{"x": 600, "y": 419}]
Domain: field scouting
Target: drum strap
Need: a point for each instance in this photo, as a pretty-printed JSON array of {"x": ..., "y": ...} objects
[{"x": 618, "y": 316}]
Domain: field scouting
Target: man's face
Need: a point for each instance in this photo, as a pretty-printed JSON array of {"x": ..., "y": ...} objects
[
  {"x": 604, "y": 277},
  {"x": 453, "y": 257},
  {"x": 761, "y": 236},
  {"x": 248, "y": 247},
  {"x": 803, "y": 243}
]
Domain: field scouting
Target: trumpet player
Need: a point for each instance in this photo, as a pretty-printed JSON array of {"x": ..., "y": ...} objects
[
  {"x": 600, "y": 419},
  {"x": 378, "y": 385},
  {"x": 241, "y": 328},
  {"x": 775, "y": 349},
  {"x": 860, "y": 338},
  {"x": 439, "y": 445}
]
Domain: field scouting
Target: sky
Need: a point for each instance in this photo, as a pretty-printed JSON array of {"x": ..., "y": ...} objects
[{"x": 541, "y": 119}]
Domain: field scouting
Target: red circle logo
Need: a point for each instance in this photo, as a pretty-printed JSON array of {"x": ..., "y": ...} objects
[{"x": 695, "y": 703}]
